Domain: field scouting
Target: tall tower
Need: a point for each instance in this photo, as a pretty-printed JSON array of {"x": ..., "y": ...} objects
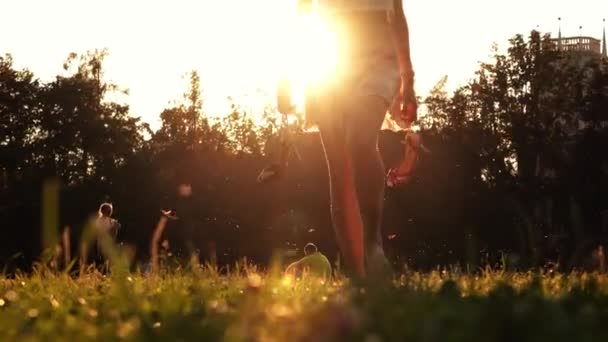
[
  {"x": 604, "y": 47},
  {"x": 559, "y": 35}
]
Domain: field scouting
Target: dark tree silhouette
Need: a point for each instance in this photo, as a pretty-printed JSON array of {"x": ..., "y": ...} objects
[{"x": 517, "y": 166}]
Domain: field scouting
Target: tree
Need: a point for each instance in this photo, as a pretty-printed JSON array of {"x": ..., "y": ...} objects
[
  {"x": 19, "y": 121},
  {"x": 84, "y": 136},
  {"x": 528, "y": 114}
]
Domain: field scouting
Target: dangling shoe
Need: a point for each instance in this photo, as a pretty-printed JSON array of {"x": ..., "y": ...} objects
[
  {"x": 271, "y": 173},
  {"x": 396, "y": 179},
  {"x": 276, "y": 170},
  {"x": 404, "y": 173}
]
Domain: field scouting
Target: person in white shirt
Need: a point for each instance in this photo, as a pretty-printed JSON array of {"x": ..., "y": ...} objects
[{"x": 105, "y": 224}]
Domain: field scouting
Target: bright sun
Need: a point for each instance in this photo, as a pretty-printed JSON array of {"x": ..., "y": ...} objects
[{"x": 254, "y": 43}]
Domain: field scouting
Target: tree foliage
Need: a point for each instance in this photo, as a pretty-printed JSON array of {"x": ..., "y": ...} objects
[{"x": 517, "y": 164}]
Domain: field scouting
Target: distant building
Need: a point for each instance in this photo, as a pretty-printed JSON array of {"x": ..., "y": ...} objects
[
  {"x": 579, "y": 44},
  {"x": 582, "y": 44}
]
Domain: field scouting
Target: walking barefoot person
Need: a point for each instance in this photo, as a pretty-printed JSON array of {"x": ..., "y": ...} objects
[{"x": 375, "y": 75}]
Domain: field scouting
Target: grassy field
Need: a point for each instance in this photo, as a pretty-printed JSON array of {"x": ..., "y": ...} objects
[{"x": 199, "y": 304}]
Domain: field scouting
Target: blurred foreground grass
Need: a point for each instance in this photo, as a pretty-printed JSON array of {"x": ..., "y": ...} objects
[{"x": 247, "y": 305}]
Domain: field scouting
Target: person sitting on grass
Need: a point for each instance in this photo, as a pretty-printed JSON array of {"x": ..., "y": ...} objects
[{"x": 313, "y": 263}]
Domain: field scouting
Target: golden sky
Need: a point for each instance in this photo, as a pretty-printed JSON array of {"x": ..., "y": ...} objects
[{"x": 237, "y": 45}]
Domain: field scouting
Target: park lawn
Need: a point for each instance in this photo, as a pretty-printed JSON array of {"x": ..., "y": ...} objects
[{"x": 245, "y": 304}]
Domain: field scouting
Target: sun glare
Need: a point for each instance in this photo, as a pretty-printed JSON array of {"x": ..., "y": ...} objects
[
  {"x": 256, "y": 43},
  {"x": 239, "y": 47},
  {"x": 315, "y": 57}
]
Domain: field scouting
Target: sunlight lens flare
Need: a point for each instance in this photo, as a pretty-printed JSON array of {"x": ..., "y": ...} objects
[
  {"x": 274, "y": 41},
  {"x": 316, "y": 60},
  {"x": 287, "y": 280}
]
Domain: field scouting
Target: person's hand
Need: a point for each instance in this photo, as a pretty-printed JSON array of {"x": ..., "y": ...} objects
[{"x": 404, "y": 108}]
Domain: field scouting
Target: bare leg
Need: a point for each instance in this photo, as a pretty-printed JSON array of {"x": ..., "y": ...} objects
[
  {"x": 363, "y": 126},
  {"x": 345, "y": 212}
]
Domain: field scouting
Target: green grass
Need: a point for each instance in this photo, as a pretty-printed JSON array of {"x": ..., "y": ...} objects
[{"x": 248, "y": 305}]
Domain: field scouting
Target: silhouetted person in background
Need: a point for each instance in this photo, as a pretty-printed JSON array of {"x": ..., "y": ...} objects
[{"x": 105, "y": 224}]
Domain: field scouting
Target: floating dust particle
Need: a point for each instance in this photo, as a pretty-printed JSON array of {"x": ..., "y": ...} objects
[
  {"x": 32, "y": 313},
  {"x": 156, "y": 325},
  {"x": 280, "y": 311},
  {"x": 82, "y": 301},
  {"x": 254, "y": 280},
  {"x": 324, "y": 298},
  {"x": 54, "y": 302},
  {"x": 127, "y": 328},
  {"x": 218, "y": 306},
  {"x": 287, "y": 280},
  {"x": 2, "y": 302},
  {"x": 11, "y": 296},
  {"x": 93, "y": 313}
]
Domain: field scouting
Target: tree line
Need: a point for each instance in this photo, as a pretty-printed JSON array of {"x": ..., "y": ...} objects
[{"x": 517, "y": 167}]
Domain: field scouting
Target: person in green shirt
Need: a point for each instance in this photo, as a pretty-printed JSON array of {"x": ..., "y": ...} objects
[{"x": 313, "y": 263}]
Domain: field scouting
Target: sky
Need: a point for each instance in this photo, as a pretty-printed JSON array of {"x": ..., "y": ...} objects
[{"x": 237, "y": 45}]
